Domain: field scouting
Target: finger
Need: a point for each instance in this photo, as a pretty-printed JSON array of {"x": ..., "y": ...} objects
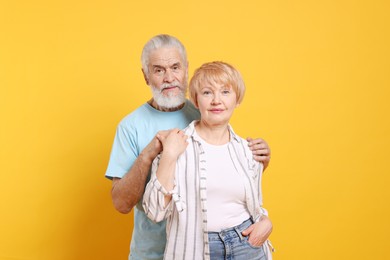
[
  {"x": 164, "y": 132},
  {"x": 257, "y": 242},
  {"x": 173, "y": 132},
  {"x": 247, "y": 231},
  {"x": 259, "y": 141},
  {"x": 261, "y": 151},
  {"x": 261, "y": 158},
  {"x": 260, "y": 147},
  {"x": 255, "y": 141},
  {"x": 160, "y": 137}
]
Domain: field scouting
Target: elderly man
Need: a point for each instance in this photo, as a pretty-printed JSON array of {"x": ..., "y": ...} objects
[{"x": 165, "y": 69}]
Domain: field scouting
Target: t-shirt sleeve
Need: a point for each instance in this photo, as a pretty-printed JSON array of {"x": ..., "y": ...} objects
[{"x": 123, "y": 154}]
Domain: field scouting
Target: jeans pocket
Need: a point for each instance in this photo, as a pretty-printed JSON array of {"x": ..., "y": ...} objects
[{"x": 252, "y": 246}]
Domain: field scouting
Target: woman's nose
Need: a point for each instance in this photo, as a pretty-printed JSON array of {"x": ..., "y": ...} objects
[{"x": 216, "y": 99}]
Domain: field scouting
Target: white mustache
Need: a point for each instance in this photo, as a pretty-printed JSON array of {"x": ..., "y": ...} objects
[{"x": 169, "y": 85}]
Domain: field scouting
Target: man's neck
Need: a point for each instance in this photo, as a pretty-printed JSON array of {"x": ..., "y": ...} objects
[{"x": 154, "y": 104}]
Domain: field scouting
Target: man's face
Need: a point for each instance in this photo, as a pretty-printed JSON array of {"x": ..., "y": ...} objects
[{"x": 167, "y": 77}]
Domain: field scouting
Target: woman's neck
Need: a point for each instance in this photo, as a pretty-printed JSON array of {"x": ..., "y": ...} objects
[{"x": 213, "y": 134}]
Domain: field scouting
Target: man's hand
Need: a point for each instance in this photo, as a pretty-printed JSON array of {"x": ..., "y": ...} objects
[
  {"x": 127, "y": 191},
  {"x": 155, "y": 146},
  {"x": 258, "y": 232},
  {"x": 260, "y": 149}
]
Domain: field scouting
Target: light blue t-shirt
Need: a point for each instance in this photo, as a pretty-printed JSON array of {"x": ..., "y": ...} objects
[{"x": 133, "y": 134}]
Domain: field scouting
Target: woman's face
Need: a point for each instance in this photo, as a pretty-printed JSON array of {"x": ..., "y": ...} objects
[{"x": 216, "y": 103}]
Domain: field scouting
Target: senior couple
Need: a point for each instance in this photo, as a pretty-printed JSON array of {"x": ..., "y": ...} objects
[{"x": 194, "y": 184}]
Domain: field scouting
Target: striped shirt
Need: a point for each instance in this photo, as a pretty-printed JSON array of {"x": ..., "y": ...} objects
[{"x": 186, "y": 214}]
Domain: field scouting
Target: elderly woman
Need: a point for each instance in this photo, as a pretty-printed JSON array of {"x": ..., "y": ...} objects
[{"x": 206, "y": 182}]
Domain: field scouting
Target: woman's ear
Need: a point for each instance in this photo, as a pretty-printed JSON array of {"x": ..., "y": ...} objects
[{"x": 195, "y": 102}]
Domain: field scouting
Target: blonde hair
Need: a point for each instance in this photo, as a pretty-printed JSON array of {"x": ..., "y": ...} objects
[{"x": 217, "y": 72}]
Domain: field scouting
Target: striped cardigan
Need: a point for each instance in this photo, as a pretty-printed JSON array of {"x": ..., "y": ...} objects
[{"x": 186, "y": 214}]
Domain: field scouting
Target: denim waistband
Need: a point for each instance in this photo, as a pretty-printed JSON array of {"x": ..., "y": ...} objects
[{"x": 231, "y": 232}]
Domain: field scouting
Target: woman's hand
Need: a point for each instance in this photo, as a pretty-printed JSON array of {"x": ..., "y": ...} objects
[
  {"x": 258, "y": 232},
  {"x": 174, "y": 143}
]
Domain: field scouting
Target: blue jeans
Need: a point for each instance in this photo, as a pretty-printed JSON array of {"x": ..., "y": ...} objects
[{"x": 230, "y": 244}]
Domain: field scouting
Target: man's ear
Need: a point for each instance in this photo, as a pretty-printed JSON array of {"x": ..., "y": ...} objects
[
  {"x": 187, "y": 70},
  {"x": 145, "y": 77}
]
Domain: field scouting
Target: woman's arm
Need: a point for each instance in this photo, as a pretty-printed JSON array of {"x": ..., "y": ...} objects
[
  {"x": 158, "y": 192},
  {"x": 155, "y": 203}
]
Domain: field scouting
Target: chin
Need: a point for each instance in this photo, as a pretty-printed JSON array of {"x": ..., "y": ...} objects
[{"x": 169, "y": 102}]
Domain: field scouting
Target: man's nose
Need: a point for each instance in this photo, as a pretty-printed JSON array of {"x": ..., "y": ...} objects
[{"x": 168, "y": 76}]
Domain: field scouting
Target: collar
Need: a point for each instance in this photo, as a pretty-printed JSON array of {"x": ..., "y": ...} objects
[{"x": 191, "y": 132}]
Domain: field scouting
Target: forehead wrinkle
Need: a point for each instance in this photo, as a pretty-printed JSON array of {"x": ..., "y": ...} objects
[{"x": 165, "y": 57}]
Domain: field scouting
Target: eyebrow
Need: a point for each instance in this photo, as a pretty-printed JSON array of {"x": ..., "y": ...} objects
[
  {"x": 163, "y": 67},
  {"x": 158, "y": 66}
]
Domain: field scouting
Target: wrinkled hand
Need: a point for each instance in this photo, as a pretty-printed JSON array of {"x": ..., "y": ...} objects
[
  {"x": 259, "y": 232},
  {"x": 260, "y": 149},
  {"x": 155, "y": 146},
  {"x": 173, "y": 143}
]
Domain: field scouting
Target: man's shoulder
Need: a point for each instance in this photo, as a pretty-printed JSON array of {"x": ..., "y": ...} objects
[
  {"x": 134, "y": 116},
  {"x": 149, "y": 117},
  {"x": 190, "y": 108}
]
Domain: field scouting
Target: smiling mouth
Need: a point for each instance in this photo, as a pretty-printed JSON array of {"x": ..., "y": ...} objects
[{"x": 216, "y": 110}]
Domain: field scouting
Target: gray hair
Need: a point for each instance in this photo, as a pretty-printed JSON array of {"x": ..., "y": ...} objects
[{"x": 160, "y": 41}]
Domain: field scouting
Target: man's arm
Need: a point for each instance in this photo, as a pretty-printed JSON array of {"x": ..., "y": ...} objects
[
  {"x": 126, "y": 192},
  {"x": 260, "y": 149}
]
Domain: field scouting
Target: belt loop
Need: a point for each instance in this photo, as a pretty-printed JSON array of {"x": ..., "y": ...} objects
[
  {"x": 242, "y": 227},
  {"x": 239, "y": 233},
  {"x": 221, "y": 236}
]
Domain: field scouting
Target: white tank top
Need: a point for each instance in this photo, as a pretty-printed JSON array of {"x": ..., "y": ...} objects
[{"x": 226, "y": 206}]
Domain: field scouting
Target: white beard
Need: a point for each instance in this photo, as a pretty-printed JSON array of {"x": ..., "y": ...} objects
[{"x": 171, "y": 100}]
